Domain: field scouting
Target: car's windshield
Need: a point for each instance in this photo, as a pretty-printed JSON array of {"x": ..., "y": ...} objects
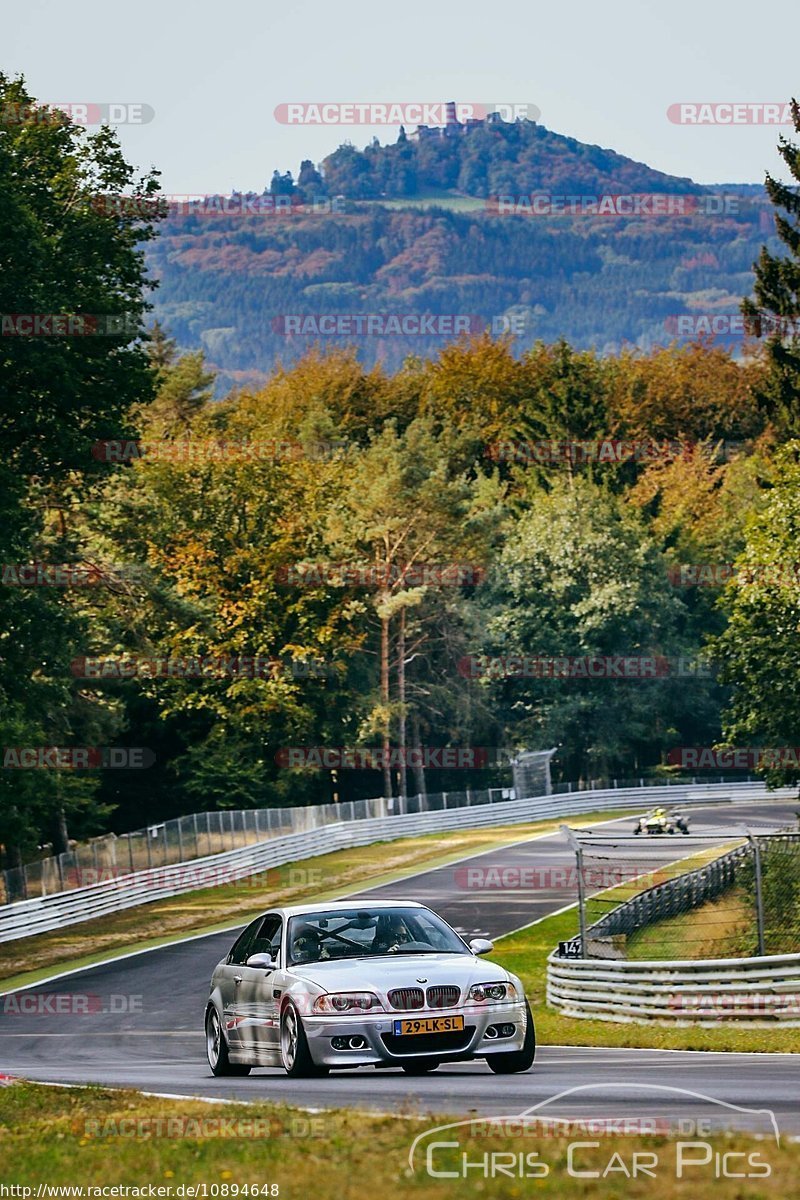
[{"x": 369, "y": 932}]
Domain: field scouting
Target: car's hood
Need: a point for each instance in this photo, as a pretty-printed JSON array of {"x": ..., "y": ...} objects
[{"x": 399, "y": 970}]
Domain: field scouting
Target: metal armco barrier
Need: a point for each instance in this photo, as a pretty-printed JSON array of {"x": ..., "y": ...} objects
[
  {"x": 681, "y": 894},
  {"x": 763, "y": 990},
  {"x": 44, "y": 913}
]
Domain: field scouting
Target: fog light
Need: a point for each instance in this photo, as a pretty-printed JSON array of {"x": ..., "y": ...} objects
[
  {"x": 507, "y": 1031},
  {"x": 339, "y": 1043}
]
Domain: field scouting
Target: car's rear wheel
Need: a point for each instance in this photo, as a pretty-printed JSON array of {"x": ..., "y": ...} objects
[
  {"x": 217, "y": 1048},
  {"x": 295, "y": 1054},
  {"x": 420, "y": 1066},
  {"x": 521, "y": 1060}
]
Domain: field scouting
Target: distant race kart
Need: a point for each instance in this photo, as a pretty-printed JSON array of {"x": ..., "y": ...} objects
[{"x": 658, "y": 821}]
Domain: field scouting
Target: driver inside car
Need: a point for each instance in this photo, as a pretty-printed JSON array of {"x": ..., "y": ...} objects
[
  {"x": 306, "y": 945},
  {"x": 390, "y": 933}
]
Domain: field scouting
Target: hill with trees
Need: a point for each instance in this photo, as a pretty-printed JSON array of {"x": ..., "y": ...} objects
[{"x": 446, "y": 226}]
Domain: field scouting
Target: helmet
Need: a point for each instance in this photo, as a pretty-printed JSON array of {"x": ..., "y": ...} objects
[{"x": 305, "y": 943}]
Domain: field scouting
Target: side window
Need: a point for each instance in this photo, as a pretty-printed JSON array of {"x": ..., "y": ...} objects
[
  {"x": 241, "y": 947},
  {"x": 268, "y": 938}
]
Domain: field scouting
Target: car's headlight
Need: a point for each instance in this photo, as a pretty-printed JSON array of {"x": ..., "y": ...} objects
[
  {"x": 347, "y": 1002},
  {"x": 493, "y": 991}
]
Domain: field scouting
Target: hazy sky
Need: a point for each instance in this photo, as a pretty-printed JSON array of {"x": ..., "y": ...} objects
[{"x": 603, "y": 73}]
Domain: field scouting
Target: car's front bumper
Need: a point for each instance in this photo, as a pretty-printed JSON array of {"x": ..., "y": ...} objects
[{"x": 382, "y": 1045}]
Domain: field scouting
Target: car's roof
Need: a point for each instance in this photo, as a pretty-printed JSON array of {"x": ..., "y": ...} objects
[{"x": 293, "y": 910}]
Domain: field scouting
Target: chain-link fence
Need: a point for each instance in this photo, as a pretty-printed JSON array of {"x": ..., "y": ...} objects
[{"x": 642, "y": 899}]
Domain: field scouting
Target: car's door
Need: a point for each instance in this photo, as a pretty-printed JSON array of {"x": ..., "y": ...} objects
[
  {"x": 230, "y": 978},
  {"x": 256, "y": 1005}
]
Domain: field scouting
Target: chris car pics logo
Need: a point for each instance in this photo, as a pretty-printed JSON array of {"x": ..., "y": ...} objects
[{"x": 516, "y": 1146}]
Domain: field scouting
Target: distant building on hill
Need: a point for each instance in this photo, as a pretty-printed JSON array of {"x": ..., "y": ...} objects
[{"x": 452, "y": 126}]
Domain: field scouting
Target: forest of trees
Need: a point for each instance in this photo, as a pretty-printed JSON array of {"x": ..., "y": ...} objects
[
  {"x": 196, "y": 517},
  {"x": 228, "y": 282}
]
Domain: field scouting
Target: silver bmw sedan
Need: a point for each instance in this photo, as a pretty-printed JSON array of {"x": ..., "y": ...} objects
[{"x": 354, "y": 984}]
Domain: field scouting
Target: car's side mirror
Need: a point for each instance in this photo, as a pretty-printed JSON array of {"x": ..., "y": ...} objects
[
  {"x": 481, "y": 946},
  {"x": 264, "y": 962}
]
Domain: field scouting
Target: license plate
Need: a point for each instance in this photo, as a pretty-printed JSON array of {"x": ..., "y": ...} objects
[{"x": 413, "y": 1025}]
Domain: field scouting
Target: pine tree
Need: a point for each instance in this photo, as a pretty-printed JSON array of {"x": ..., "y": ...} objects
[{"x": 162, "y": 350}]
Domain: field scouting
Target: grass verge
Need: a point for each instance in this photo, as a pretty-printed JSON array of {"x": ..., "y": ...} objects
[
  {"x": 719, "y": 928},
  {"x": 95, "y": 1138}
]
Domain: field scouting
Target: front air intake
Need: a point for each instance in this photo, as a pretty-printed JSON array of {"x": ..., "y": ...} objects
[{"x": 407, "y": 998}]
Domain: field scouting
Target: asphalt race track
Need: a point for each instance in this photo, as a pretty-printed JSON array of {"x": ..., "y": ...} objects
[{"x": 144, "y": 1024}]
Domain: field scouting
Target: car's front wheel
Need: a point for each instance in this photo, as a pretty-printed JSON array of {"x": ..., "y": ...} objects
[
  {"x": 217, "y": 1048},
  {"x": 295, "y": 1054},
  {"x": 420, "y": 1066},
  {"x": 520, "y": 1060}
]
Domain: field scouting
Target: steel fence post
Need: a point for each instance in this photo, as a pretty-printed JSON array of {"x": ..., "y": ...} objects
[
  {"x": 576, "y": 846},
  {"x": 759, "y": 897}
]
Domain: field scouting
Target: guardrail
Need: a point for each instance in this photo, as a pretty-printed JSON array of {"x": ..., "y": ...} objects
[
  {"x": 764, "y": 990},
  {"x": 45, "y": 913}
]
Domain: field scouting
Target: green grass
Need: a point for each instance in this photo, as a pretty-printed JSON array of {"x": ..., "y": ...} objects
[
  {"x": 97, "y": 1137},
  {"x": 433, "y": 199},
  {"x": 721, "y": 928}
]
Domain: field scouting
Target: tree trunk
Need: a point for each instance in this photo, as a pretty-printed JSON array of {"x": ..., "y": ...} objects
[
  {"x": 61, "y": 834},
  {"x": 387, "y": 773},
  {"x": 401, "y": 695},
  {"x": 419, "y": 770}
]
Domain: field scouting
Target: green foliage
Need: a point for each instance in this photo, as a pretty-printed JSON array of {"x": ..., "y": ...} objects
[
  {"x": 758, "y": 648},
  {"x": 579, "y": 577},
  {"x": 494, "y": 158},
  {"x": 780, "y": 895},
  {"x": 775, "y": 310},
  {"x": 61, "y": 253}
]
